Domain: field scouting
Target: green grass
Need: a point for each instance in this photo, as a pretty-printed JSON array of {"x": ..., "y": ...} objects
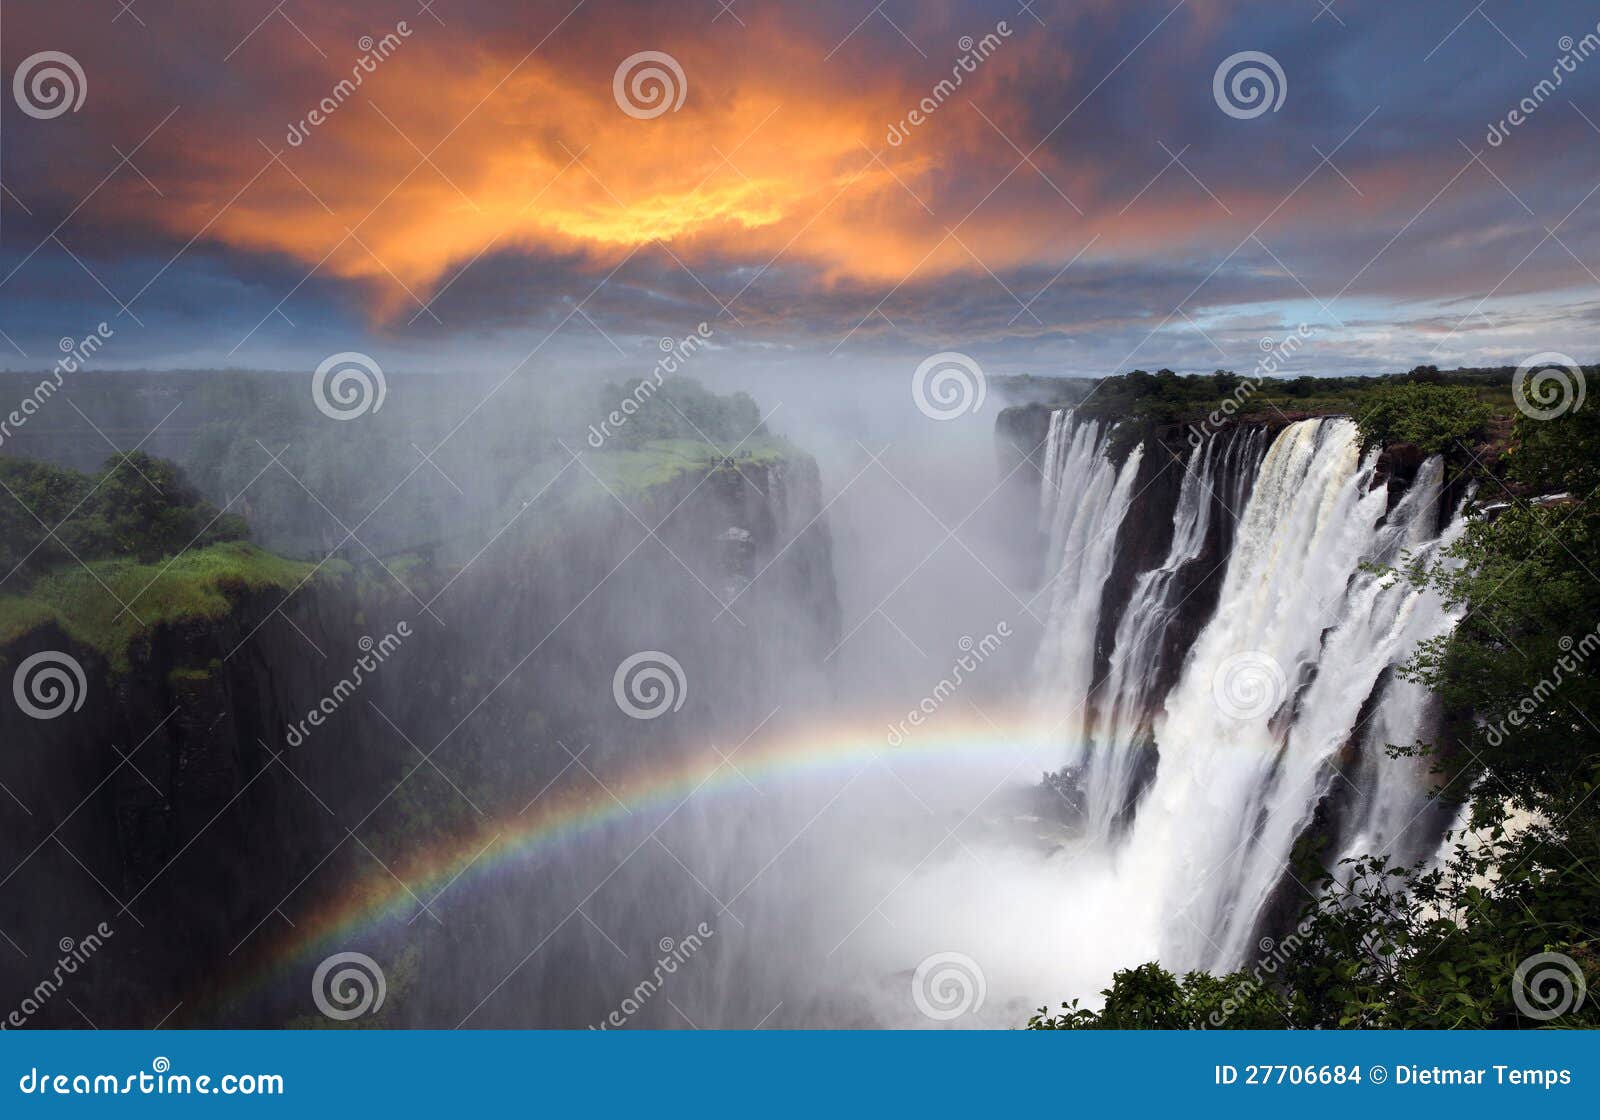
[
  {"x": 633, "y": 473},
  {"x": 200, "y": 585}
]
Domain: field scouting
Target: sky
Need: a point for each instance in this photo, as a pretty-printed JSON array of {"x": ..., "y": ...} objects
[{"x": 1096, "y": 194}]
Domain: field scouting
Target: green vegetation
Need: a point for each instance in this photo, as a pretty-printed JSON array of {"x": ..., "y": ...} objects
[
  {"x": 1437, "y": 419},
  {"x": 201, "y": 584},
  {"x": 678, "y": 408},
  {"x": 1391, "y": 946},
  {"x": 1166, "y": 397},
  {"x": 633, "y": 472},
  {"x": 135, "y": 507}
]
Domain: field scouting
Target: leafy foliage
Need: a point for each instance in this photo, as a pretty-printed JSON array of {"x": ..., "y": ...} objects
[
  {"x": 136, "y": 506},
  {"x": 677, "y": 408},
  {"x": 1435, "y": 418}
]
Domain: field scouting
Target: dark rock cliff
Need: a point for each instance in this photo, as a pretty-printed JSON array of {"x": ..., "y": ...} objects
[{"x": 190, "y": 806}]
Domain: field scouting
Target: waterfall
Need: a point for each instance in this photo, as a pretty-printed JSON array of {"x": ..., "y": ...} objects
[
  {"x": 1286, "y": 696},
  {"x": 1086, "y": 500}
]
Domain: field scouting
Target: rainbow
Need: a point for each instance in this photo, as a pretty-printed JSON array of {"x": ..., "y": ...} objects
[{"x": 555, "y": 817}]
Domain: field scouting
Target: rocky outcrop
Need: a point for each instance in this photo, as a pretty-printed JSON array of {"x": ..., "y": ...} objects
[{"x": 194, "y": 802}]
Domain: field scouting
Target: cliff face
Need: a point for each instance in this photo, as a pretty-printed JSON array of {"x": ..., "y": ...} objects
[
  {"x": 156, "y": 807},
  {"x": 194, "y": 802}
]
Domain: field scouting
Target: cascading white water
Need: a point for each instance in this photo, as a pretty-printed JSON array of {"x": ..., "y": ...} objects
[
  {"x": 1302, "y": 642},
  {"x": 1089, "y": 497}
]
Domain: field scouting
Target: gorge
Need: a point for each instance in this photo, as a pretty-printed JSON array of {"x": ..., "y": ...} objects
[{"x": 1197, "y": 640}]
